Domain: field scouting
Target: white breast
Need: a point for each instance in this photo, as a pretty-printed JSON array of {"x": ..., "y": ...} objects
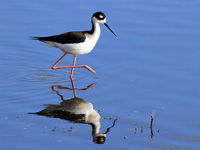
[{"x": 80, "y": 48}]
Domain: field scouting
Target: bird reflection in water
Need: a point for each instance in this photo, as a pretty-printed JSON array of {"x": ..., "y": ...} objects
[{"x": 76, "y": 110}]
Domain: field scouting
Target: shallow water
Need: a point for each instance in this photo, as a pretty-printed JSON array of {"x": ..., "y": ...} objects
[{"x": 152, "y": 66}]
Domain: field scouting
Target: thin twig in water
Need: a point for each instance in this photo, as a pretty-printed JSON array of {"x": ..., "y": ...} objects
[
  {"x": 54, "y": 129},
  {"x": 141, "y": 129},
  {"x": 151, "y": 126}
]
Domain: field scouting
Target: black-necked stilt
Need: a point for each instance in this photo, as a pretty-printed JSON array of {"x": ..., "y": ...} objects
[{"x": 77, "y": 43}]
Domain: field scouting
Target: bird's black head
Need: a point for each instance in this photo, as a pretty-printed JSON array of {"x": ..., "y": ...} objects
[
  {"x": 100, "y": 139},
  {"x": 99, "y": 15},
  {"x": 101, "y": 18}
]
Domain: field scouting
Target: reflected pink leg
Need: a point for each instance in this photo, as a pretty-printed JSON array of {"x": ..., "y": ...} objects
[{"x": 73, "y": 87}]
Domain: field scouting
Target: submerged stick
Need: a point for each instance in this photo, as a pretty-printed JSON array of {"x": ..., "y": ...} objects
[
  {"x": 135, "y": 128},
  {"x": 141, "y": 129}
]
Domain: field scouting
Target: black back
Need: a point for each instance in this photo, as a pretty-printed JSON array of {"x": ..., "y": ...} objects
[{"x": 65, "y": 38}]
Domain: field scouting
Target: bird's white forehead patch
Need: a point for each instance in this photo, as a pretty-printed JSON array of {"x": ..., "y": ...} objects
[{"x": 100, "y": 16}]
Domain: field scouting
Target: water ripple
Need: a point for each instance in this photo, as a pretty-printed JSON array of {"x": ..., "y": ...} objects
[{"x": 48, "y": 76}]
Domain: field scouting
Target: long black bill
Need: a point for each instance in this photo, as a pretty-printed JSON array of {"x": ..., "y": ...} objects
[{"x": 109, "y": 28}]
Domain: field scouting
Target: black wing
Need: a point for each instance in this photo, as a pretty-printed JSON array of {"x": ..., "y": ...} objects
[{"x": 65, "y": 38}]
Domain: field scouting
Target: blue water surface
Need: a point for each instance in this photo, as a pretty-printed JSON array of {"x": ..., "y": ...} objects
[{"x": 152, "y": 66}]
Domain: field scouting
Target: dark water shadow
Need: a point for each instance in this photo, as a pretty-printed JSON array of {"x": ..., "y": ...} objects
[{"x": 76, "y": 110}]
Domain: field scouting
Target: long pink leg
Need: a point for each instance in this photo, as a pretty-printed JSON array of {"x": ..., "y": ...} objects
[
  {"x": 54, "y": 65},
  {"x": 85, "y": 66},
  {"x": 71, "y": 74}
]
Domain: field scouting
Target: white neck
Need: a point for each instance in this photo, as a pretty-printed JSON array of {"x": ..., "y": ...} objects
[
  {"x": 96, "y": 30},
  {"x": 96, "y": 126}
]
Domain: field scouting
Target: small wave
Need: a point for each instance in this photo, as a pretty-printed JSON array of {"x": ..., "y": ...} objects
[{"x": 48, "y": 75}]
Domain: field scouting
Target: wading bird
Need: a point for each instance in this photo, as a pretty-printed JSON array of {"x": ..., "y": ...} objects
[{"x": 77, "y": 43}]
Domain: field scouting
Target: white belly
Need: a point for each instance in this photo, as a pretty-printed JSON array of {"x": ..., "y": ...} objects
[{"x": 77, "y": 48}]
